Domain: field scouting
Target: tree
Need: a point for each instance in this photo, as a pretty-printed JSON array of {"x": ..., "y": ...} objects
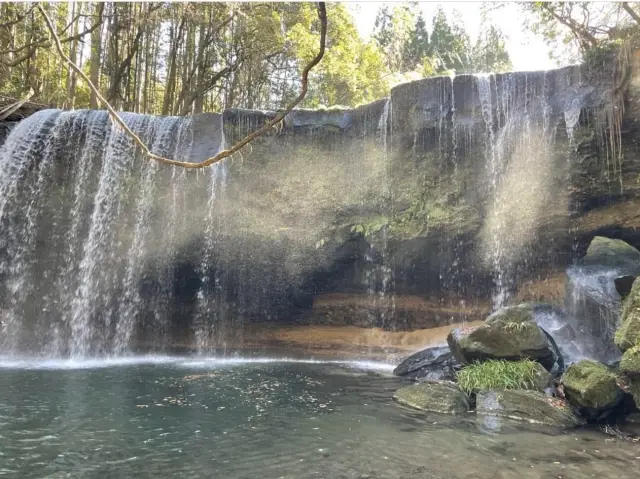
[
  {"x": 449, "y": 44},
  {"x": 393, "y": 32},
  {"x": 322, "y": 15},
  {"x": 582, "y": 26},
  {"x": 489, "y": 54},
  {"x": 418, "y": 46}
]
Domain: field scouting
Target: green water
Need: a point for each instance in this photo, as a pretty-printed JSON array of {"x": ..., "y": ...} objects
[{"x": 182, "y": 418}]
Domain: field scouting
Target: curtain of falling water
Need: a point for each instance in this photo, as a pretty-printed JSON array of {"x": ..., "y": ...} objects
[
  {"x": 85, "y": 218},
  {"x": 520, "y": 132},
  {"x": 210, "y": 309}
]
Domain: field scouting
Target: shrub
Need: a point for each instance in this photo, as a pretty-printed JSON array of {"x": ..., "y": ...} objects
[{"x": 501, "y": 374}]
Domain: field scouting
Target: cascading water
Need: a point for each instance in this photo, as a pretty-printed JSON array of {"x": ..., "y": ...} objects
[
  {"x": 208, "y": 317},
  {"x": 520, "y": 134},
  {"x": 95, "y": 242},
  {"x": 379, "y": 275}
]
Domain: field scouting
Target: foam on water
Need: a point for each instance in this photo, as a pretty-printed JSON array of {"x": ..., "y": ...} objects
[{"x": 178, "y": 361}]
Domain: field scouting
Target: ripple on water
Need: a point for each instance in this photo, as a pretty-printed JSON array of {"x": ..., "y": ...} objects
[{"x": 200, "y": 417}]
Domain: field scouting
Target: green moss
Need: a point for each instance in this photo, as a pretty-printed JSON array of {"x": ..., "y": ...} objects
[
  {"x": 500, "y": 374},
  {"x": 591, "y": 385},
  {"x": 630, "y": 363},
  {"x": 628, "y": 335}
]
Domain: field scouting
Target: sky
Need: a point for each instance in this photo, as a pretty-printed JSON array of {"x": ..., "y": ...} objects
[{"x": 527, "y": 50}]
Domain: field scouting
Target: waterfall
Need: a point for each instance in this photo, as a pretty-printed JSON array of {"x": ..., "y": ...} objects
[
  {"x": 209, "y": 318},
  {"x": 86, "y": 220}
]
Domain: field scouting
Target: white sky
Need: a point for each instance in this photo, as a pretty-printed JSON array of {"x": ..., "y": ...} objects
[{"x": 527, "y": 50}]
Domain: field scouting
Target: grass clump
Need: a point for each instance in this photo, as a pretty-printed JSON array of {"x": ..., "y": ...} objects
[{"x": 501, "y": 374}]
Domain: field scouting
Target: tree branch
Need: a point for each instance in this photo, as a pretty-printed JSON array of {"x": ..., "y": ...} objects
[
  {"x": 322, "y": 15},
  {"x": 631, "y": 12}
]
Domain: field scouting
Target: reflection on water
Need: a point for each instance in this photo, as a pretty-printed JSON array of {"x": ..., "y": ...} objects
[{"x": 264, "y": 419}]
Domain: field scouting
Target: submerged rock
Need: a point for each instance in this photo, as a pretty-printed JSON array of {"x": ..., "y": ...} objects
[
  {"x": 628, "y": 335},
  {"x": 613, "y": 253},
  {"x": 527, "y": 406},
  {"x": 591, "y": 387},
  {"x": 434, "y": 396},
  {"x": 510, "y": 333},
  {"x": 431, "y": 364}
]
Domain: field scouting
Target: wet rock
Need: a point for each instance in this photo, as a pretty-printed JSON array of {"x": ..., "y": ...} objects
[
  {"x": 527, "y": 406},
  {"x": 628, "y": 335},
  {"x": 434, "y": 396},
  {"x": 613, "y": 253},
  {"x": 510, "y": 333},
  {"x": 432, "y": 364},
  {"x": 623, "y": 285},
  {"x": 630, "y": 362},
  {"x": 634, "y": 390},
  {"x": 593, "y": 306},
  {"x": 591, "y": 387}
]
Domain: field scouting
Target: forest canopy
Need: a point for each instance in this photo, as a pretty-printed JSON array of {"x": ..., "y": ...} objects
[{"x": 184, "y": 58}]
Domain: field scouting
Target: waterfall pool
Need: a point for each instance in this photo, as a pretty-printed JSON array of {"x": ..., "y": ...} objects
[{"x": 264, "y": 418}]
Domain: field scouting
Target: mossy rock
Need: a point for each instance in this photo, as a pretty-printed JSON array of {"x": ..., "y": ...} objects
[
  {"x": 634, "y": 390},
  {"x": 591, "y": 386},
  {"x": 510, "y": 333},
  {"x": 630, "y": 362},
  {"x": 613, "y": 253},
  {"x": 500, "y": 374},
  {"x": 435, "y": 396},
  {"x": 628, "y": 334},
  {"x": 527, "y": 406}
]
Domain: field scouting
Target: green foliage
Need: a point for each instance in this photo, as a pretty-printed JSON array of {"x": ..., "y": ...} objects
[{"x": 500, "y": 374}]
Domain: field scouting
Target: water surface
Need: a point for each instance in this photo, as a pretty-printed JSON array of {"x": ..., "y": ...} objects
[{"x": 245, "y": 418}]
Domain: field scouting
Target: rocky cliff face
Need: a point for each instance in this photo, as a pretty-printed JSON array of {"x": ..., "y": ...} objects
[{"x": 448, "y": 195}]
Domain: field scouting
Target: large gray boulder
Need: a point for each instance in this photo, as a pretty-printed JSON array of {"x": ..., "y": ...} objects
[
  {"x": 435, "y": 396},
  {"x": 614, "y": 254},
  {"x": 527, "y": 406},
  {"x": 432, "y": 364},
  {"x": 510, "y": 333}
]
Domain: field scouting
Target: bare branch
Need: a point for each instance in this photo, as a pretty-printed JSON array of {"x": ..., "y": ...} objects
[
  {"x": 322, "y": 15},
  {"x": 631, "y": 12}
]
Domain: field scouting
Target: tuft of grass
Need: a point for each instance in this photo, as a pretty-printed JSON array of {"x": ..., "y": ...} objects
[{"x": 501, "y": 374}]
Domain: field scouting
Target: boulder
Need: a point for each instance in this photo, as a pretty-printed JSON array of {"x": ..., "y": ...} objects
[
  {"x": 628, "y": 335},
  {"x": 613, "y": 253},
  {"x": 527, "y": 406},
  {"x": 593, "y": 305},
  {"x": 434, "y": 396},
  {"x": 432, "y": 364},
  {"x": 591, "y": 387},
  {"x": 624, "y": 284},
  {"x": 634, "y": 390},
  {"x": 630, "y": 362},
  {"x": 510, "y": 333}
]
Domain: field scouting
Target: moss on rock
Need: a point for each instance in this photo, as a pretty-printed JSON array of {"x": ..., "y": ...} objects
[
  {"x": 591, "y": 385},
  {"x": 630, "y": 362},
  {"x": 628, "y": 335},
  {"x": 500, "y": 374},
  {"x": 435, "y": 396},
  {"x": 510, "y": 333},
  {"x": 613, "y": 253}
]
